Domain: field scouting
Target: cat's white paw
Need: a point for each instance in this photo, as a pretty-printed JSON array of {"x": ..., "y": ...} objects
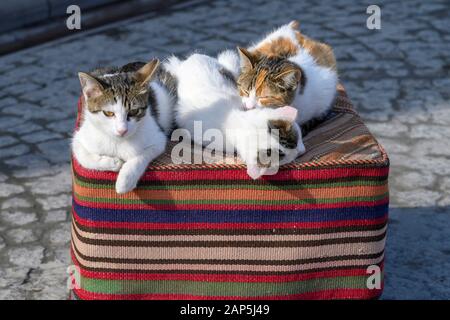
[
  {"x": 255, "y": 172},
  {"x": 110, "y": 163},
  {"x": 125, "y": 183}
]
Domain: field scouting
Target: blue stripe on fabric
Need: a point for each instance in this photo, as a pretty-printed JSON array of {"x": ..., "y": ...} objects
[{"x": 223, "y": 216}]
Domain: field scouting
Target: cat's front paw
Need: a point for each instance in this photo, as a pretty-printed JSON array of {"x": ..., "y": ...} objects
[
  {"x": 255, "y": 171},
  {"x": 110, "y": 163},
  {"x": 125, "y": 183}
]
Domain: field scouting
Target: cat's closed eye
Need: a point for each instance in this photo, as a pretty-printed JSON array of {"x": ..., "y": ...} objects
[
  {"x": 283, "y": 88},
  {"x": 109, "y": 114},
  {"x": 244, "y": 92}
]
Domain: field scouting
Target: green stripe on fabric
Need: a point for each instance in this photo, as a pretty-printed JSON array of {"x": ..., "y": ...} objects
[
  {"x": 296, "y": 186},
  {"x": 237, "y": 201},
  {"x": 243, "y": 289}
]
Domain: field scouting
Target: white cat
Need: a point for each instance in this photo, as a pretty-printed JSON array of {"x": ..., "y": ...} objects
[
  {"x": 207, "y": 94},
  {"x": 123, "y": 119}
]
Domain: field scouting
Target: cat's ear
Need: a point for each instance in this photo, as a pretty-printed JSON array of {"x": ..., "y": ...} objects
[
  {"x": 248, "y": 60},
  {"x": 290, "y": 77},
  {"x": 294, "y": 24},
  {"x": 146, "y": 73},
  {"x": 92, "y": 88}
]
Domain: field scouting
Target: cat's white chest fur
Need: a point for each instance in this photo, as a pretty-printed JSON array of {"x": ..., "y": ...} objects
[
  {"x": 124, "y": 148},
  {"x": 130, "y": 156}
]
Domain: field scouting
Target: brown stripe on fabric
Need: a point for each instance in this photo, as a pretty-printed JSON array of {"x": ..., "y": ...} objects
[
  {"x": 260, "y": 253},
  {"x": 233, "y": 231},
  {"x": 182, "y": 268},
  {"x": 234, "y": 261},
  {"x": 338, "y": 140},
  {"x": 145, "y": 260},
  {"x": 330, "y": 130},
  {"x": 349, "y": 147},
  {"x": 252, "y": 253},
  {"x": 240, "y": 244},
  {"x": 233, "y": 237},
  {"x": 331, "y": 137}
]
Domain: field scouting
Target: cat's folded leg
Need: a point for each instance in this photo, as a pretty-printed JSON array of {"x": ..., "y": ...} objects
[
  {"x": 248, "y": 152},
  {"x": 94, "y": 161},
  {"x": 134, "y": 168}
]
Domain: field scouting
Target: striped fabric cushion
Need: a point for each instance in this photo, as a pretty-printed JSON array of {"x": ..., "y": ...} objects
[{"x": 210, "y": 232}]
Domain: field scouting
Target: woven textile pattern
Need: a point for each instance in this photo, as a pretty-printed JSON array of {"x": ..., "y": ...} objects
[{"x": 210, "y": 232}]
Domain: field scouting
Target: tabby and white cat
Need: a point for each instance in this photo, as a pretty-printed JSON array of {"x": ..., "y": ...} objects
[
  {"x": 125, "y": 119},
  {"x": 207, "y": 92},
  {"x": 288, "y": 68}
]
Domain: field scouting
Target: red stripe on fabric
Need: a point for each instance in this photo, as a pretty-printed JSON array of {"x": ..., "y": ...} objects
[
  {"x": 150, "y": 207},
  {"x": 223, "y": 277},
  {"x": 231, "y": 225},
  {"x": 317, "y": 295},
  {"x": 238, "y": 173}
]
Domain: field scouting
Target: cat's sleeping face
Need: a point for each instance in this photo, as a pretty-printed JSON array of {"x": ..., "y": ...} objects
[
  {"x": 268, "y": 81},
  {"x": 280, "y": 146},
  {"x": 116, "y": 102}
]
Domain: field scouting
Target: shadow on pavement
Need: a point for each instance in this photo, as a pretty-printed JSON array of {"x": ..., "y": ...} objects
[{"x": 418, "y": 254}]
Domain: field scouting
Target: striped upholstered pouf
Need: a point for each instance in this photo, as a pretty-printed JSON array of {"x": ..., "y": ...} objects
[{"x": 313, "y": 231}]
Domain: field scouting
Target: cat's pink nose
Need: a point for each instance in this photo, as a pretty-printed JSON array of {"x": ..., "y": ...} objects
[{"x": 122, "y": 132}]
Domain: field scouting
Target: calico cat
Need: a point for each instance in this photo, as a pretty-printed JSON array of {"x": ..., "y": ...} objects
[
  {"x": 288, "y": 68},
  {"x": 207, "y": 92},
  {"x": 125, "y": 119}
]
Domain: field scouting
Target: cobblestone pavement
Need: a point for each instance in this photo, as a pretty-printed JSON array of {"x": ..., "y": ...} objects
[{"x": 398, "y": 78}]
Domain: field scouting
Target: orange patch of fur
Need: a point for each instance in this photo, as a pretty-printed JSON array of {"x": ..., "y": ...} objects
[
  {"x": 272, "y": 97},
  {"x": 321, "y": 52},
  {"x": 281, "y": 47},
  {"x": 273, "y": 102},
  {"x": 260, "y": 79},
  {"x": 284, "y": 47}
]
